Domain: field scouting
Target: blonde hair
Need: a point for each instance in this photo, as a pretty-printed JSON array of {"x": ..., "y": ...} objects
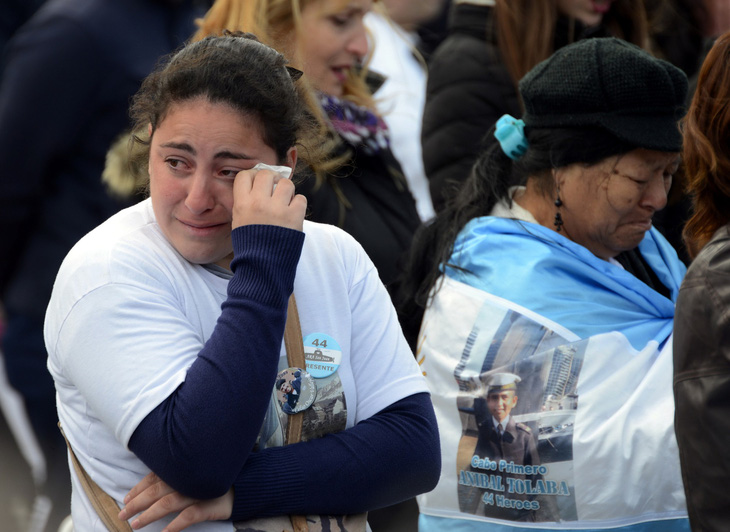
[{"x": 278, "y": 23}]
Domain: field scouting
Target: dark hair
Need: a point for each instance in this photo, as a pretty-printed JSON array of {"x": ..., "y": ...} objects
[
  {"x": 234, "y": 69},
  {"x": 489, "y": 182},
  {"x": 705, "y": 150},
  {"x": 678, "y": 29},
  {"x": 279, "y": 383}
]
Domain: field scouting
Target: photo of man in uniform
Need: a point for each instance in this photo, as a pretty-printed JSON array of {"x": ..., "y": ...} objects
[
  {"x": 291, "y": 390},
  {"x": 502, "y": 438}
]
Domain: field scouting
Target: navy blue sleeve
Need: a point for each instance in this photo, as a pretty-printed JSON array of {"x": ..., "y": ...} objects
[
  {"x": 199, "y": 438},
  {"x": 387, "y": 458}
]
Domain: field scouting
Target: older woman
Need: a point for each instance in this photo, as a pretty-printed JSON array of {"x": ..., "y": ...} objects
[
  {"x": 546, "y": 269},
  {"x": 166, "y": 325},
  {"x": 701, "y": 361}
]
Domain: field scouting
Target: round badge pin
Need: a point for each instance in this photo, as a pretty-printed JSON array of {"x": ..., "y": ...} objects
[
  {"x": 323, "y": 355},
  {"x": 295, "y": 390}
]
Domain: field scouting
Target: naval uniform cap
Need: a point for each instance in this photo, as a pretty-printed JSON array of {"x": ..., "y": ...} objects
[{"x": 499, "y": 382}]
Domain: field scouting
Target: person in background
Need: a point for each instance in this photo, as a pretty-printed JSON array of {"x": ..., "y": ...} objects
[
  {"x": 400, "y": 100},
  {"x": 677, "y": 32},
  {"x": 69, "y": 74},
  {"x": 546, "y": 266},
  {"x": 362, "y": 189},
  {"x": 433, "y": 32},
  {"x": 394, "y": 45},
  {"x": 165, "y": 329},
  {"x": 701, "y": 327},
  {"x": 14, "y": 14},
  {"x": 491, "y": 44},
  {"x": 719, "y": 19},
  {"x": 682, "y": 32}
]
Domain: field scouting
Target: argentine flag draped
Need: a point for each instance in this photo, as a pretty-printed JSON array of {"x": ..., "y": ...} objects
[{"x": 589, "y": 343}]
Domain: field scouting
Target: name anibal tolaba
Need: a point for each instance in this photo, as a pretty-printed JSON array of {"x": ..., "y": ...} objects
[{"x": 503, "y": 483}]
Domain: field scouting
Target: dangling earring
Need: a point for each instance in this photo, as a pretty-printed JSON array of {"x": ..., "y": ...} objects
[{"x": 558, "y": 223}]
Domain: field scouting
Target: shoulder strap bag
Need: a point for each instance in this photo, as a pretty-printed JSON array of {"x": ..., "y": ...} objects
[{"x": 107, "y": 508}]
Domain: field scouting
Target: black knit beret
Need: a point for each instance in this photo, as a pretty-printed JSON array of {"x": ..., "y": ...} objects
[{"x": 611, "y": 84}]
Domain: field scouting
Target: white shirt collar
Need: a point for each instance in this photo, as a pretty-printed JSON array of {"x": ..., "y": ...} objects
[
  {"x": 504, "y": 423},
  {"x": 502, "y": 209}
]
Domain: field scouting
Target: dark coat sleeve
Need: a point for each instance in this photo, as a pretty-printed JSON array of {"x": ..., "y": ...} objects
[
  {"x": 702, "y": 384},
  {"x": 368, "y": 197},
  {"x": 43, "y": 102},
  {"x": 468, "y": 90},
  {"x": 69, "y": 74}
]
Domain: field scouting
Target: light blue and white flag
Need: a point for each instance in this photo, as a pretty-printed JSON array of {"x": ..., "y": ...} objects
[{"x": 589, "y": 343}]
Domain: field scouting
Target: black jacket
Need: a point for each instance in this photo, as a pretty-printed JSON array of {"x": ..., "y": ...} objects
[
  {"x": 468, "y": 89},
  {"x": 70, "y": 73},
  {"x": 378, "y": 209},
  {"x": 702, "y": 384}
]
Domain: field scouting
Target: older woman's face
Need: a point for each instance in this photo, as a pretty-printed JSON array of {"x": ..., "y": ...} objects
[
  {"x": 195, "y": 154},
  {"x": 332, "y": 41},
  {"x": 608, "y": 207}
]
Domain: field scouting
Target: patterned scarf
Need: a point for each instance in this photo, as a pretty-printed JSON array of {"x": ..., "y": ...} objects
[{"x": 358, "y": 125}]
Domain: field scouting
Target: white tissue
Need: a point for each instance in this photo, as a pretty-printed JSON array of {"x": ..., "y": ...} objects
[{"x": 283, "y": 171}]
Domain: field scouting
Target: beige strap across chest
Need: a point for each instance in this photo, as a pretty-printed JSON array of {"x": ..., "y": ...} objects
[
  {"x": 106, "y": 507},
  {"x": 295, "y": 359}
]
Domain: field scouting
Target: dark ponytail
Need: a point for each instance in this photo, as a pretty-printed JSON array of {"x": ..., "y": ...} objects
[
  {"x": 489, "y": 181},
  {"x": 492, "y": 175}
]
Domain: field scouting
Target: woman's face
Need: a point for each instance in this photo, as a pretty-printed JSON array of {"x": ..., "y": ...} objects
[
  {"x": 195, "y": 154},
  {"x": 332, "y": 41},
  {"x": 608, "y": 207},
  {"x": 589, "y": 12}
]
